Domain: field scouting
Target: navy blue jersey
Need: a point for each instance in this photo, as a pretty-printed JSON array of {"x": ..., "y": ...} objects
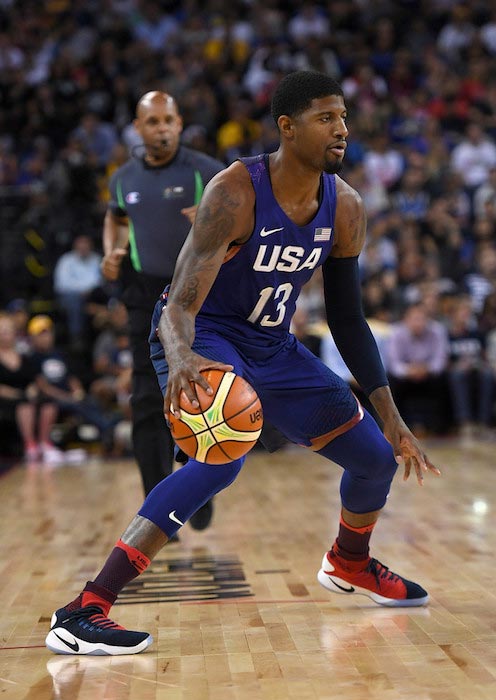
[{"x": 254, "y": 295}]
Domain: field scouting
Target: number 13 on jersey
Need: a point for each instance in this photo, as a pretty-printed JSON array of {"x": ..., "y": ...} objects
[{"x": 280, "y": 295}]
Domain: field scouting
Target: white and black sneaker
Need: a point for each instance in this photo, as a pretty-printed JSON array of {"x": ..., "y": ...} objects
[{"x": 88, "y": 631}]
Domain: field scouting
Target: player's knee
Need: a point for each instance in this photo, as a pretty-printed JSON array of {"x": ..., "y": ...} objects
[
  {"x": 220, "y": 476},
  {"x": 382, "y": 465}
]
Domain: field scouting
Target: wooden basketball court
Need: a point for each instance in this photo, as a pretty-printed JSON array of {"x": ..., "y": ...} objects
[{"x": 236, "y": 611}]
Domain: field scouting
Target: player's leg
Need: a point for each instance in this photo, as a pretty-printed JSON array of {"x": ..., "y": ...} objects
[
  {"x": 347, "y": 568},
  {"x": 82, "y": 626},
  {"x": 313, "y": 407}
]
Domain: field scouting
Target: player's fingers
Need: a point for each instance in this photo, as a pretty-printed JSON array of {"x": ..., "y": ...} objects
[
  {"x": 431, "y": 467},
  {"x": 209, "y": 364},
  {"x": 172, "y": 397},
  {"x": 408, "y": 467},
  {"x": 418, "y": 470},
  {"x": 189, "y": 391}
]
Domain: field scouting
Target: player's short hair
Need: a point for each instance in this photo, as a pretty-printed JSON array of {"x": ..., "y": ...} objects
[{"x": 295, "y": 92}]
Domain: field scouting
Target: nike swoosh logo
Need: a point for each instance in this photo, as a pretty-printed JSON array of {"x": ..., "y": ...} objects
[
  {"x": 265, "y": 232},
  {"x": 342, "y": 588},
  {"x": 74, "y": 646},
  {"x": 172, "y": 516}
]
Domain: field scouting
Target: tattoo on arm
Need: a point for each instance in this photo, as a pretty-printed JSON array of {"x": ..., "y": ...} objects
[
  {"x": 215, "y": 227},
  {"x": 215, "y": 221},
  {"x": 188, "y": 293}
]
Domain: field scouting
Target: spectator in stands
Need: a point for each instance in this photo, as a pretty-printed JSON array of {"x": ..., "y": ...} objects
[
  {"x": 112, "y": 359},
  {"x": 411, "y": 199},
  {"x": 76, "y": 274},
  {"x": 19, "y": 396},
  {"x": 482, "y": 280},
  {"x": 98, "y": 138},
  {"x": 474, "y": 157},
  {"x": 18, "y": 310},
  {"x": 417, "y": 357},
  {"x": 59, "y": 385},
  {"x": 457, "y": 34},
  {"x": 471, "y": 380},
  {"x": 485, "y": 195},
  {"x": 383, "y": 161}
]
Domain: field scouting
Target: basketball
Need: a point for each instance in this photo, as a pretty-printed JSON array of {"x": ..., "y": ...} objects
[{"x": 225, "y": 426}]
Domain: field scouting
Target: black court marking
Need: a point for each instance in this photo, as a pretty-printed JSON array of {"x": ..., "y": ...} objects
[{"x": 199, "y": 578}]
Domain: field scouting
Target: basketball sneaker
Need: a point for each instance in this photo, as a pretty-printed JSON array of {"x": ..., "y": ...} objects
[
  {"x": 88, "y": 631},
  {"x": 370, "y": 578}
]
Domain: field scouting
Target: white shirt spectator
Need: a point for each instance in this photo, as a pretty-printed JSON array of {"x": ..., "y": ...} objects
[
  {"x": 474, "y": 157},
  {"x": 308, "y": 22},
  {"x": 76, "y": 273},
  {"x": 488, "y": 36}
]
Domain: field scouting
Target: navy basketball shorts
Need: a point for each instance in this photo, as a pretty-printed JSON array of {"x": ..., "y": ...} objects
[{"x": 300, "y": 395}]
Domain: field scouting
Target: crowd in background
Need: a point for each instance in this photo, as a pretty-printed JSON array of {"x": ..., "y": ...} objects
[{"x": 419, "y": 80}]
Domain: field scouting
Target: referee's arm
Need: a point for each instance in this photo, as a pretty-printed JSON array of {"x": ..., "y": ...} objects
[{"x": 115, "y": 242}]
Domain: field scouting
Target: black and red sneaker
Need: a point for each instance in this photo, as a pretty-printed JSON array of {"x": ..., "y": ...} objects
[
  {"x": 88, "y": 631},
  {"x": 370, "y": 578}
]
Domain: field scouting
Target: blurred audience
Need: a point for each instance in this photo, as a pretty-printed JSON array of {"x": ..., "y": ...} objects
[
  {"x": 19, "y": 396},
  {"x": 417, "y": 358},
  {"x": 76, "y": 274},
  {"x": 57, "y": 384},
  {"x": 470, "y": 377},
  {"x": 421, "y": 98}
]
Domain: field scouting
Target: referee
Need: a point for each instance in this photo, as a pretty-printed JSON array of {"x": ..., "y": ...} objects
[{"x": 153, "y": 204}]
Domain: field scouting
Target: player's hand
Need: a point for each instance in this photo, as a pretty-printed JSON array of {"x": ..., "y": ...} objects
[
  {"x": 407, "y": 449},
  {"x": 111, "y": 264},
  {"x": 184, "y": 374},
  {"x": 190, "y": 213}
]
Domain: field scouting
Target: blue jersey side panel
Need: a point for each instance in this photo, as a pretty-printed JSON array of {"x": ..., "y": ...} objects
[{"x": 254, "y": 295}]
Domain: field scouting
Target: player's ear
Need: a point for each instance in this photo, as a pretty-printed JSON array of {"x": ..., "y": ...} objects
[
  {"x": 286, "y": 126},
  {"x": 180, "y": 123}
]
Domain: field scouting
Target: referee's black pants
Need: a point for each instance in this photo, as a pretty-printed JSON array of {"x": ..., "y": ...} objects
[{"x": 152, "y": 442}]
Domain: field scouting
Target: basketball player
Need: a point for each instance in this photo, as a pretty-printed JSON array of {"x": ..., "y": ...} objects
[
  {"x": 154, "y": 197},
  {"x": 262, "y": 228}
]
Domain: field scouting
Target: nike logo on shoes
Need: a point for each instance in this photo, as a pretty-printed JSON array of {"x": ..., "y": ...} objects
[
  {"x": 74, "y": 646},
  {"x": 342, "y": 588}
]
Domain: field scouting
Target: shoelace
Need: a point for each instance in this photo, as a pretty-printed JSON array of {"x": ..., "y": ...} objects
[
  {"x": 380, "y": 571},
  {"x": 94, "y": 615}
]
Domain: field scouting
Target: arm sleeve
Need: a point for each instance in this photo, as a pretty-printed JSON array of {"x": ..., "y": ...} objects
[{"x": 347, "y": 323}]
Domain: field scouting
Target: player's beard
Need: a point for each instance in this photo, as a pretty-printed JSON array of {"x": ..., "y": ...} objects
[{"x": 333, "y": 168}]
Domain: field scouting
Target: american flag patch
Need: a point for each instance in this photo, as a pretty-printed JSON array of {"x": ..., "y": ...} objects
[{"x": 322, "y": 234}]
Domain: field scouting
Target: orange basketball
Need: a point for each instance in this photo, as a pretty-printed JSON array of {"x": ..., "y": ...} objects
[{"x": 225, "y": 426}]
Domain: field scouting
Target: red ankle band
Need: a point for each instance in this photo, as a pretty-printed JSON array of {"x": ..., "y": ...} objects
[
  {"x": 136, "y": 558},
  {"x": 360, "y": 530}
]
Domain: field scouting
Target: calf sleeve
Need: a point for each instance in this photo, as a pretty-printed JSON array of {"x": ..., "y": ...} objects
[
  {"x": 175, "y": 499},
  {"x": 369, "y": 465}
]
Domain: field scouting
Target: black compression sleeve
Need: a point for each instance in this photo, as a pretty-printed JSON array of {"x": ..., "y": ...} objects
[{"x": 349, "y": 328}]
